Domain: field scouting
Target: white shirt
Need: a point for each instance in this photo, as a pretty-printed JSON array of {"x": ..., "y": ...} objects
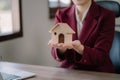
[{"x": 80, "y": 22}]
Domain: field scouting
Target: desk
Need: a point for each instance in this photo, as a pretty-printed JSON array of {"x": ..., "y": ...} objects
[{"x": 52, "y": 73}]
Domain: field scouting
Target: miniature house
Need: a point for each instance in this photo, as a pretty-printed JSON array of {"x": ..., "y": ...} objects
[{"x": 61, "y": 33}]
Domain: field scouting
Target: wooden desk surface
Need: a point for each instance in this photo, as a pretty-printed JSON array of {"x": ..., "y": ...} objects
[{"x": 52, "y": 73}]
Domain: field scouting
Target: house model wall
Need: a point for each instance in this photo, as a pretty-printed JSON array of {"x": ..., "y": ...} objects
[{"x": 61, "y": 33}]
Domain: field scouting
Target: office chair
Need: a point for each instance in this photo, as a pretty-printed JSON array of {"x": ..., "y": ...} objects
[
  {"x": 115, "y": 50},
  {"x": 111, "y": 5}
]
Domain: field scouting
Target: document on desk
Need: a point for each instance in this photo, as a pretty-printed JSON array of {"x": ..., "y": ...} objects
[{"x": 7, "y": 73}]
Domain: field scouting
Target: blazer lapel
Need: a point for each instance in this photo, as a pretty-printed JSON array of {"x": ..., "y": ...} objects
[
  {"x": 89, "y": 23},
  {"x": 88, "y": 27}
]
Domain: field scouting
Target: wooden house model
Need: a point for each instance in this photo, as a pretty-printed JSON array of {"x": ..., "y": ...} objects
[{"x": 61, "y": 33}]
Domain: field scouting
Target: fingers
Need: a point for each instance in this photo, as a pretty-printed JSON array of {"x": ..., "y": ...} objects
[
  {"x": 49, "y": 43},
  {"x": 68, "y": 45},
  {"x": 56, "y": 45},
  {"x": 60, "y": 45},
  {"x": 77, "y": 46},
  {"x": 76, "y": 43}
]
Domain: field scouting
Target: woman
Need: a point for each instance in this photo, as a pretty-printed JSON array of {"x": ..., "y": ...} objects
[{"x": 94, "y": 27}]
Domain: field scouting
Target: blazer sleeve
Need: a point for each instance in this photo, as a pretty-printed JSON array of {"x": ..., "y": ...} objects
[{"x": 99, "y": 54}]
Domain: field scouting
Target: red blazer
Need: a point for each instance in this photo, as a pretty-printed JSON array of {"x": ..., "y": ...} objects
[{"x": 96, "y": 36}]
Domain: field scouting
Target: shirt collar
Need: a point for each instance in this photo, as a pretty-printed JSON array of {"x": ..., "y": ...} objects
[{"x": 84, "y": 14}]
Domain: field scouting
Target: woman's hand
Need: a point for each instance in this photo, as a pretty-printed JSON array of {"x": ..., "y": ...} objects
[
  {"x": 77, "y": 46},
  {"x": 62, "y": 47}
]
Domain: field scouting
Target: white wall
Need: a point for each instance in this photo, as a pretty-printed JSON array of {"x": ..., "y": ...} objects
[{"x": 32, "y": 48}]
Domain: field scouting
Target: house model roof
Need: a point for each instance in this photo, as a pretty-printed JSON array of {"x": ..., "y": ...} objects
[{"x": 64, "y": 26}]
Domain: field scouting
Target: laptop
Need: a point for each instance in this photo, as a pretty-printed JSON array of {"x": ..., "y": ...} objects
[{"x": 14, "y": 74}]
